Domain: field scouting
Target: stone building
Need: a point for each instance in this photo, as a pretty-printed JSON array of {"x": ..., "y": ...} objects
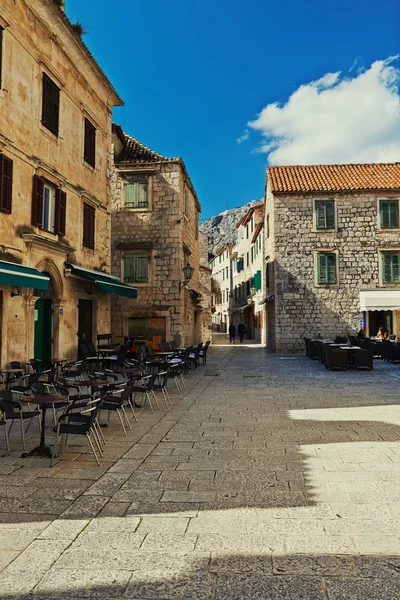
[
  {"x": 205, "y": 287},
  {"x": 332, "y": 251},
  {"x": 55, "y": 142},
  {"x": 220, "y": 267},
  {"x": 155, "y": 233},
  {"x": 246, "y": 302}
]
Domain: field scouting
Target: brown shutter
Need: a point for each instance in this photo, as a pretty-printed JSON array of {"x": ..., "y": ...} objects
[
  {"x": 1, "y": 56},
  {"x": 89, "y": 154},
  {"x": 88, "y": 226},
  {"x": 37, "y": 201},
  {"x": 61, "y": 212},
  {"x": 50, "y": 104},
  {"x": 6, "y": 174}
]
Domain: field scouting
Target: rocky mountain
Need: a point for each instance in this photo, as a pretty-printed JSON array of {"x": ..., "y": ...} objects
[{"x": 221, "y": 229}]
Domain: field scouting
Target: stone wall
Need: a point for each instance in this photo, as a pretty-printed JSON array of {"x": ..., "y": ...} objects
[
  {"x": 302, "y": 308},
  {"x": 162, "y": 230},
  {"x": 205, "y": 288}
]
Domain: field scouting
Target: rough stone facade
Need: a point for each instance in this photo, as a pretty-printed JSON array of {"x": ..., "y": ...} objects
[
  {"x": 38, "y": 39},
  {"x": 169, "y": 237},
  {"x": 297, "y": 306}
]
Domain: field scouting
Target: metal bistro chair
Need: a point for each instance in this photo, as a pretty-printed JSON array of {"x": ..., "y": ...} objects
[
  {"x": 203, "y": 352},
  {"x": 66, "y": 426},
  {"x": 12, "y": 409},
  {"x": 161, "y": 385},
  {"x": 146, "y": 391},
  {"x": 117, "y": 402},
  {"x": 3, "y": 423}
]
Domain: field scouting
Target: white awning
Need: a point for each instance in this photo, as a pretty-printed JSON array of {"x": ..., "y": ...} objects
[{"x": 380, "y": 299}]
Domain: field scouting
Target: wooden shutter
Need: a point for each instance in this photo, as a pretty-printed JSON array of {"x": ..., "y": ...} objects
[
  {"x": 50, "y": 104},
  {"x": 6, "y": 175},
  {"x": 320, "y": 214},
  {"x": 394, "y": 214},
  {"x": 331, "y": 259},
  {"x": 88, "y": 225},
  {"x": 329, "y": 214},
  {"x": 89, "y": 154},
  {"x": 385, "y": 214},
  {"x": 37, "y": 201},
  {"x": 322, "y": 269},
  {"x": 142, "y": 274},
  {"x": 130, "y": 267},
  {"x": 395, "y": 268},
  {"x": 61, "y": 212},
  {"x": 1, "y": 57}
]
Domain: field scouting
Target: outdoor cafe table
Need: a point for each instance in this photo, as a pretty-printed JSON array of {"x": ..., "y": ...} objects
[
  {"x": 43, "y": 401},
  {"x": 9, "y": 372},
  {"x": 351, "y": 351}
]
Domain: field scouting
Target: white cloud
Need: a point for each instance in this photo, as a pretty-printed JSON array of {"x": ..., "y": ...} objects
[
  {"x": 336, "y": 119},
  {"x": 244, "y": 137}
]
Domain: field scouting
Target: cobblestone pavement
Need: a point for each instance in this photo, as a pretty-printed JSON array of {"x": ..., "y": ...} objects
[{"x": 271, "y": 479}]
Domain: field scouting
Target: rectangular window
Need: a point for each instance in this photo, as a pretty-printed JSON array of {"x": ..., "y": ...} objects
[
  {"x": 252, "y": 254},
  {"x": 136, "y": 191},
  {"x": 50, "y": 104},
  {"x": 49, "y": 206},
  {"x": 227, "y": 272},
  {"x": 390, "y": 267},
  {"x": 247, "y": 259},
  {"x": 89, "y": 153},
  {"x": 325, "y": 214},
  {"x": 89, "y": 213},
  {"x": 267, "y": 226},
  {"x": 389, "y": 213},
  {"x": 186, "y": 207},
  {"x": 240, "y": 265},
  {"x": 6, "y": 179},
  {"x": 197, "y": 225},
  {"x": 326, "y": 264},
  {"x": 268, "y": 275},
  {"x": 136, "y": 267},
  {"x": 247, "y": 231},
  {"x": 1, "y": 57}
]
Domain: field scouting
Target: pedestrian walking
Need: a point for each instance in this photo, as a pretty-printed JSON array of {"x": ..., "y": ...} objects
[
  {"x": 232, "y": 333},
  {"x": 241, "y": 332}
]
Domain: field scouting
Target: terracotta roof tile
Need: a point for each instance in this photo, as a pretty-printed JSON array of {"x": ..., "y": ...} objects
[
  {"x": 135, "y": 151},
  {"x": 334, "y": 178}
]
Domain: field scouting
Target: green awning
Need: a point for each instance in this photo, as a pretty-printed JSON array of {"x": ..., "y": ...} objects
[
  {"x": 20, "y": 276},
  {"x": 105, "y": 284}
]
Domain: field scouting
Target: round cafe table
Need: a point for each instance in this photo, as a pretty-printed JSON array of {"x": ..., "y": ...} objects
[
  {"x": 9, "y": 372},
  {"x": 43, "y": 401}
]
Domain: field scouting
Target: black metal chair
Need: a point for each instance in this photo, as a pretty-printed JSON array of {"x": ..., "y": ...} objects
[
  {"x": 3, "y": 423},
  {"x": 68, "y": 425},
  {"x": 194, "y": 356},
  {"x": 146, "y": 391},
  {"x": 160, "y": 384},
  {"x": 203, "y": 352},
  {"x": 335, "y": 358},
  {"x": 12, "y": 410}
]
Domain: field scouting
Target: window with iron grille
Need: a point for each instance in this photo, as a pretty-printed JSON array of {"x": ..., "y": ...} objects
[
  {"x": 391, "y": 267},
  {"x": 136, "y": 267},
  {"x": 136, "y": 191},
  {"x": 389, "y": 214},
  {"x": 326, "y": 267},
  {"x": 325, "y": 214},
  {"x": 89, "y": 215},
  {"x": 89, "y": 153},
  {"x": 50, "y": 104}
]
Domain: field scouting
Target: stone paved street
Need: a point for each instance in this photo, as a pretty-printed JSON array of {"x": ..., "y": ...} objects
[{"x": 271, "y": 479}]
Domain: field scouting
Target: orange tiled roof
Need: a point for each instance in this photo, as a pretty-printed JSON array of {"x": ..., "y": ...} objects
[
  {"x": 334, "y": 178},
  {"x": 247, "y": 216},
  {"x": 257, "y": 231}
]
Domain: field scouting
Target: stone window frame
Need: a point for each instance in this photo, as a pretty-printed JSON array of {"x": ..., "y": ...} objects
[
  {"x": 125, "y": 174},
  {"x": 150, "y": 254},
  {"x": 314, "y": 209},
  {"x": 378, "y": 214},
  {"x": 317, "y": 251},
  {"x": 381, "y": 252}
]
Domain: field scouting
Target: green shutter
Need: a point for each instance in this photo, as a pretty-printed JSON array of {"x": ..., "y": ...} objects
[
  {"x": 395, "y": 268},
  {"x": 142, "y": 275},
  {"x": 330, "y": 214},
  {"x": 130, "y": 268},
  {"x": 136, "y": 192},
  {"x": 331, "y": 258},
  {"x": 322, "y": 269},
  {"x": 320, "y": 214},
  {"x": 136, "y": 267},
  {"x": 385, "y": 214},
  {"x": 389, "y": 214},
  {"x": 394, "y": 214},
  {"x": 326, "y": 266},
  {"x": 257, "y": 281}
]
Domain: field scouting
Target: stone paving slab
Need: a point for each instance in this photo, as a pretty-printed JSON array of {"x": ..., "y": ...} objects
[{"x": 270, "y": 478}]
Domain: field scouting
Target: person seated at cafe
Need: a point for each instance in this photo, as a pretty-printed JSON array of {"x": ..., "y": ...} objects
[
  {"x": 381, "y": 335},
  {"x": 362, "y": 333}
]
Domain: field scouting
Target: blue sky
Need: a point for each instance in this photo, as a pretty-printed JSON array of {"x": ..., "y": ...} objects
[{"x": 193, "y": 73}]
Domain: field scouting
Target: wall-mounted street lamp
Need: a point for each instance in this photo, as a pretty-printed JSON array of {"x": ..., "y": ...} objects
[{"x": 188, "y": 271}]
